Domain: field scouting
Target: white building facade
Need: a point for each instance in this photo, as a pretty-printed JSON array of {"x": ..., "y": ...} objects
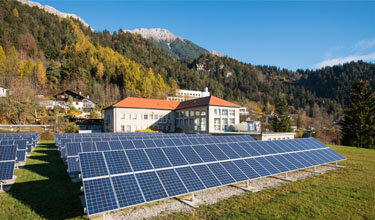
[
  {"x": 184, "y": 95},
  {"x": 3, "y": 92}
]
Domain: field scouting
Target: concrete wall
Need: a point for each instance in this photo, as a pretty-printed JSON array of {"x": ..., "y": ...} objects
[
  {"x": 132, "y": 119},
  {"x": 225, "y": 120}
]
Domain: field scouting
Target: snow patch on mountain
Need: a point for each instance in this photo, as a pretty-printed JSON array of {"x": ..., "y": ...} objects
[
  {"x": 52, "y": 10},
  {"x": 156, "y": 34}
]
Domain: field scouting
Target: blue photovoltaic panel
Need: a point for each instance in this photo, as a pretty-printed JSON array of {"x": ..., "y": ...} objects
[
  {"x": 280, "y": 167},
  {"x": 102, "y": 146},
  {"x": 201, "y": 141},
  {"x": 117, "y": 162},
  {"x": 323, "y": 153},
  {"x": 21, "y": 155},
  {"x": 149, "y": 143},
  {"x": 190, "y": 179},
  {"x": 8, "y": 152},
  {"x": 308, "y": 158},
  {"x": 222, "y": 175},
  {"x": 267, "y": 165},
  {"x": 228, "y": 151},
  {"x": 323, "y": 158},
  {"x": 88, "y": 147},
  {"x": 246, "y": 169},
  {"x": 73, "y": 165},
  {"x": 177, "y": 142},
  {"x": 151, "y": 186},
  {"x": 157, "y": 157},
  {"x": 215, "y": 150},
  {"x": 206, "y": 176},
  {"x": 285, "y": 162},
  {"x": 294, "y": 161},
  {"x": 257, "y": 167},
  {"x": 21, "y": 144},
  {"x": 209, "y": 140},
  {"x": 334, "y": 154},
  {"x": 258, "y": 148},
  {"x": 6, "y": 170},
  {"x": 115, "y": 145},
  {"x": 234, "y": 171},
  {"x": 138, "y": 160},
  {"x": 267, "y": 148},
  {"x": 300, "y": 159},
  {"x": 190, "y": 155},
  {"x": 168, "y": 142},
  {"x": 92, "y": 164},
  {"x": 290, "y": 145},
  {"x": 239, "y": 150},
  {"x": 275, "y": 146},
  {"x": 174, "y": 155},
  {"x": 72, "y": 149},
  {"x": 202, "y": 151},
  {"x": 186, "y": 141},
  {"x": 314, "y": 157},
  {"x": 99, "y": 196},
  {"x": 284, "y": 147},
  {"x": 171, "y": 182},
  {"x": 127, "y": 190},
  {"x": 159, "y": 143},
  {"x": 127, "y": 144},
  {"x": 250, "y": 149},
  {"x": 193, "y": 141}
]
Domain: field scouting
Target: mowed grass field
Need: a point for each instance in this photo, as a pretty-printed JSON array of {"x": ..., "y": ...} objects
[{"x": 43, "y": 190}]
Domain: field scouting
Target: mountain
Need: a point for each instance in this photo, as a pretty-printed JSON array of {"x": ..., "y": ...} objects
[
  {"x": 52, "y": 10},
  {"x": 170, "y": 43}
]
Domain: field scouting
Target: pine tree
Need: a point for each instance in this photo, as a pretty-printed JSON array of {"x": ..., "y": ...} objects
[
  {"x": 281, "y": 120},
  {"x": 358, "y": 127}
]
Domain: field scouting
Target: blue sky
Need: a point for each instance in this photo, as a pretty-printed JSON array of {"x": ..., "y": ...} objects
[{"x": 296, "y": 34}]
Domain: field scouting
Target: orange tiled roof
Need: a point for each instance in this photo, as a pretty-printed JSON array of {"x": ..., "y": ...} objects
[{"x": 132, "y": 102}]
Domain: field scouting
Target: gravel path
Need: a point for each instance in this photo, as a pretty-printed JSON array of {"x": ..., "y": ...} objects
[{"x": 210, "y": 196}]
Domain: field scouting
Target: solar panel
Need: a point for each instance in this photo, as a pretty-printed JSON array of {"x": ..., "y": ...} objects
[
  {"x": 190, "y": 155},
  {"x": 117, "y": 162},
  {"x": 203, "y": 153},
  {"x": 239, "y": 150},
  {"x": 159, "y": 143},
  {"x": 246, "y": 169},
  {"x": 151, "y": 186},
  {"x": 215, "y": 150},
  {"x": 21, "y": 155},
  {"x": 127, "y": 190},
  {"x": 221, "y": 174},
  {"x": 149, "y": 143},
  {"x": 171, "y": 182},
  {"x": 92, "y": 164},
  {"x": 236, "y": 173},
  {"x": 190, "y": 179},
  {"x": 8, "y": 153},
  {"x": 157, "y": 157},
  {"x": 139, "y": 144},
  {"x": 72, "y": 149},
  {"x": 73, "y": 165},
  {"x": 88, "y": 147},
  {"x": 258, "y": 167},
  {"x": 127, "y": 144},
  {"x": 207, "y": 177},
  {"x": 115, "y": 145},
  {"x": 138, "y": 160},
  {"x": 99, "y": 196},
  {"x": 228, "y": 151},
  {"x": 6, "y": 170},
  {"x": 280, "y": 167}
]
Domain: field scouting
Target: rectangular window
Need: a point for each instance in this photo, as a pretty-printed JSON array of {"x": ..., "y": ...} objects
[
  {"x": 224, "y": 112},
  {"x": 231, "y": 121},
  {"x": 191, "y": 121},
  {"x": 156, "y": 117},
  {"x": 128, "y": 128},
  {"x": 145, "y": 116},
  {"x": 134, "y": 116},
  {"x": 216, "y": 111},
  {"x": 231, "y": 112},
  {"x": 122, "y": 128},
  {"x": 151, "y": 116},
  {"x": 122, "y": 116},
  {"x": 217, "y": 124}
]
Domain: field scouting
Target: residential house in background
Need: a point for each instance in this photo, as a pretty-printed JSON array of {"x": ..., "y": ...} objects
[
  {"x": 184, "y": 95},
  {"x": 202, "y": 115},
  {"x": 3, "y": 91},
  {"x": 80, "y": 102}
]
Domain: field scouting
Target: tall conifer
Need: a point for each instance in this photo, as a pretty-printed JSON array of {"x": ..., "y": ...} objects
[{"x": 281, "y": 120}]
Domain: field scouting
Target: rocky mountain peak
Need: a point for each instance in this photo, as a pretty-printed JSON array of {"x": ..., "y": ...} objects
[{"x": 156, "y": 34}]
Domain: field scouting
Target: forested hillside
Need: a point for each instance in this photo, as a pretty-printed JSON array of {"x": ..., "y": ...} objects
[{"x": 45, "y": 54}]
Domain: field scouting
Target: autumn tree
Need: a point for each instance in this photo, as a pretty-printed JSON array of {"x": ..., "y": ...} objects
[
  {"x": 40, "y": 73},
  {"x": 2, "y": 61}
]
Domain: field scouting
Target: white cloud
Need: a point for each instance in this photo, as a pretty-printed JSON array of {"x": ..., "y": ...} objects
[
  {"x": 364, "y": 44},
  {"x": 342, "y": 60}
]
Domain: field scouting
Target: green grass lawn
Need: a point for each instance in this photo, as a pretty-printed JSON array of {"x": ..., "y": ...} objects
[
  {"x": 347, "y": 193},
  {"x": 43, "y": 190}
]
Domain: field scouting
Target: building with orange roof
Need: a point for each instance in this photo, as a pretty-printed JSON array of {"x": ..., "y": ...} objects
[{"x": 202, "y": 115}]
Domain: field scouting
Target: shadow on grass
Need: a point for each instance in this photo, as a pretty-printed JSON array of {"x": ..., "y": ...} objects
[{"x": 45, "y": 186}]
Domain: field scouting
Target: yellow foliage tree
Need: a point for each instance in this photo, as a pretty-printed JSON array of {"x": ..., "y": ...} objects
[
  {"x": 99, "y": 70},
  {"x": 21, "y": 69},
  {"x": 11, "y": 63},
  {"x": 15, "y": 12},
  {"x": 28, "y": 68},
  {"x": 40, "y": 73},
  {"x": 2, "y": 61}
]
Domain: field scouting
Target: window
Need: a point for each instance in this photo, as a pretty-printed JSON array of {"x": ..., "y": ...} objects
[
  {"x": 225, "y": 124},
  {"x": 216, "y": 111},
  {"x": 145, "y": 116},
  {"x": 122, "y": 116},
  {"x": 151, "y": 116},
  {"x": 231, "y": 112},
  {"x": 128, "y": 128},
  {"x": 231, "y": 121},
  {"x": 217, "y": 124},
  {"x": 186, "y": 122},
  {"x": 191, "y": 121},
  {"x": 122, "y": 128},
  {"x": 203, "y": 113},
  {"x": 225, "y": 112},
  {"x": 134, "y": 116},
  {"x": 134, "y": 128},
  {"x": 156, "y": 117},
  {"x": 127, "y": 116}
]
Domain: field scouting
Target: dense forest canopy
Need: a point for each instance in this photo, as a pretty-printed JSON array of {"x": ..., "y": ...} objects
[{"x": 58, "y": 53}]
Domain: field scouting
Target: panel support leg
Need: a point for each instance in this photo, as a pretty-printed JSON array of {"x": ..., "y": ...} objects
[
  {"x": 193, "y": 202},
  {"x": 1, "y": 186}
]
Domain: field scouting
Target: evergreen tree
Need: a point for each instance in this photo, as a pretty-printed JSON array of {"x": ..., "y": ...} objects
[
  {"x": 359, "y": 120},
  {"x": 281, "y": 120}
]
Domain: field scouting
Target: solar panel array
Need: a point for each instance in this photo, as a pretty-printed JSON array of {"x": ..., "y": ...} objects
[
  {"x": 13, "y": 148},
  {"x": 117, "y": 179}
]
